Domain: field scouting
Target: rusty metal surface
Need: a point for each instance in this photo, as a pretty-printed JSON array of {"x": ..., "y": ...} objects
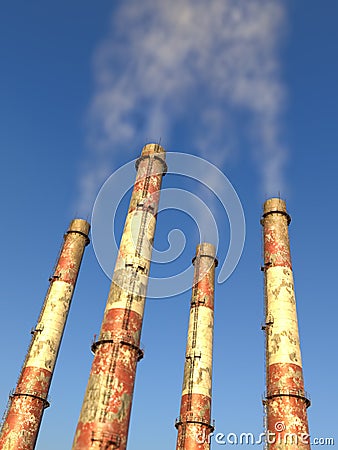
[
  {"x": 105, "y": 413},
  {"x": 194, "y": 424},
  {"x": 286, "y": 400},
  {"x": 29, "y": 399}
]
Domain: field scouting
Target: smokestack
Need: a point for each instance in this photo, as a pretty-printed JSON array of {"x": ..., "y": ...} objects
[
  {"x": 29, "y": 399},
  {"x": 194, "y": 423},
  {"x": 286, "y": 401},
  {"x": 105, "y": 414}
]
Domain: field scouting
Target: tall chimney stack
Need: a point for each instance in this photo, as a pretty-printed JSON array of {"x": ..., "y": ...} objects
[
  {"x": 29, "y": 399},
  {"x": 105, "y": 414},
  {"x": 286, "y": 401},
  {"x": 194, "y": 423}
]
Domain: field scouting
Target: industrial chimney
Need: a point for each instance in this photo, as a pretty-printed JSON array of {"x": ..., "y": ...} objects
[
  {"x": 28, "y": 401},
  {"x": 286, "y": 401},
  {"x": 194, "y": 423},
  {"x": 105, "y": 414}
]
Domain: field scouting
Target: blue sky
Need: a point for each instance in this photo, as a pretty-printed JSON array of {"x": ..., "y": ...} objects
[{"x": 252, "y": 87}]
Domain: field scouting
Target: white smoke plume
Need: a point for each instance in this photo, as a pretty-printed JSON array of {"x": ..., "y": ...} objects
[{"x": 191, "y": 65}]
